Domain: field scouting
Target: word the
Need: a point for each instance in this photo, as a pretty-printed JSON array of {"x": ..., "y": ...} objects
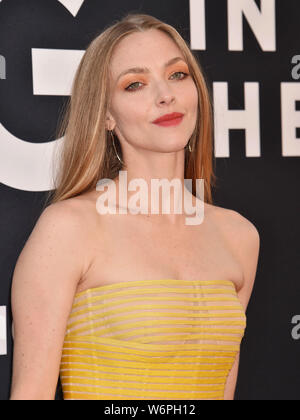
[{"x": 250, "y": 120}]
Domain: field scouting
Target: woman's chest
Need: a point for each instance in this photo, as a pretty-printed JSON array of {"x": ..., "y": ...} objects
[{"x": 141, "y": 250}]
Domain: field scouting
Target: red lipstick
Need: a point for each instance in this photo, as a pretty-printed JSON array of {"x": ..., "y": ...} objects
[{"x": 169, "y": 119}]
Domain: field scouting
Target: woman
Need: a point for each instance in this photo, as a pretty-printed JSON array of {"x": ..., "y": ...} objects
[{"x": 133, "y": 306}]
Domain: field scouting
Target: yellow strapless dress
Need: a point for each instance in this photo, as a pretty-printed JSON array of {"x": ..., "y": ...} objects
[{"x": 152, "y": 339}]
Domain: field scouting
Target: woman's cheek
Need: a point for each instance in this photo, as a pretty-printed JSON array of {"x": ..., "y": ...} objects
[{"x": 193, "y": 93}]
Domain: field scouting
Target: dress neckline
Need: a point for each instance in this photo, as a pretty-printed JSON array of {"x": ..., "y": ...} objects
[{"x": 158, "y": 281}]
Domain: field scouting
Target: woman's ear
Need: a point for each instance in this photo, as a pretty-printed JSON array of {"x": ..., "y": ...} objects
[{"x": 110, "y": 122}]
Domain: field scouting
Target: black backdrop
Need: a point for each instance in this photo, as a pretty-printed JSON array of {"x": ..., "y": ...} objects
[{"x": 253, "y": 54}]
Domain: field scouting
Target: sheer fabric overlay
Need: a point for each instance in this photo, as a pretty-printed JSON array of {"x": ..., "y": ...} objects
[{"x": 152, "y": 339}]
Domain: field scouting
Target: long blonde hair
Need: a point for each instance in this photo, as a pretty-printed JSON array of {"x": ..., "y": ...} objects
[{"x": 87, "y": 154}]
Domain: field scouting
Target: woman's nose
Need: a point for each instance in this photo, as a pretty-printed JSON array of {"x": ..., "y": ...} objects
[
  {"x": 165, "y": 94},
  {"x": 166, "y": 99}
]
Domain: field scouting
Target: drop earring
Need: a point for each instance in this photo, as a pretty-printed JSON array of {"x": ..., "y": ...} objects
[
  {"x": 189, "y": 146},
  {"x": 113, "y": 141}
]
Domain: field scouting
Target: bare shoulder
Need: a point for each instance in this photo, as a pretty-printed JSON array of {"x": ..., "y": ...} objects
[
  {"x": 61, "y": 208},
  {"x": 244, "y": 239},
  {"x": 63, "y": 215},
  {"x": 72, "y": 213},
  {"x": 71, "y": 219},
  {"x": 234, "y": 224}
]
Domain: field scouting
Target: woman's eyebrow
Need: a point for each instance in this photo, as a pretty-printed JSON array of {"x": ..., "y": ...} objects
[{"x": 146, "y": 70}]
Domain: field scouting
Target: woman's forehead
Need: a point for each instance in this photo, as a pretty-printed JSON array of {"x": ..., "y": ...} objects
[
  {"x": 143, "y": 57},
  {"x": 136, "y": 51}
]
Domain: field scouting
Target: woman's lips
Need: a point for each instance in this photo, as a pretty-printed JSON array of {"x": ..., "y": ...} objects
[{"x": 168, "y": 123}]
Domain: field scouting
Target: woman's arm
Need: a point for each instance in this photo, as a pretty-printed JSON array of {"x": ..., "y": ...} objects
[
  {"x": 247, "y": 243},
  {"x": 44, "y": 283}
]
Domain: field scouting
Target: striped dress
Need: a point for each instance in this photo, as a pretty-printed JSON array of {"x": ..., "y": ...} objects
[{"x": 152, "y": 340}]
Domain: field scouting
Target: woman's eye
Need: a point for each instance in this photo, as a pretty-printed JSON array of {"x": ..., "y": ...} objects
[
  {"x": 181, "y": 72},
  {"x": 130, "y": 89},
  {"x": 132, "y": 84}
]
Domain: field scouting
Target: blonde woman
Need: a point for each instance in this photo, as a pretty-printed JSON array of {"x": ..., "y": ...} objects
[{"x": 133, "y": 306}]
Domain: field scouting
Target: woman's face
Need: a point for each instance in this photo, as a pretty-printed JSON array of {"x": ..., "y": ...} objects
[{"x": 137, "y": 99}]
